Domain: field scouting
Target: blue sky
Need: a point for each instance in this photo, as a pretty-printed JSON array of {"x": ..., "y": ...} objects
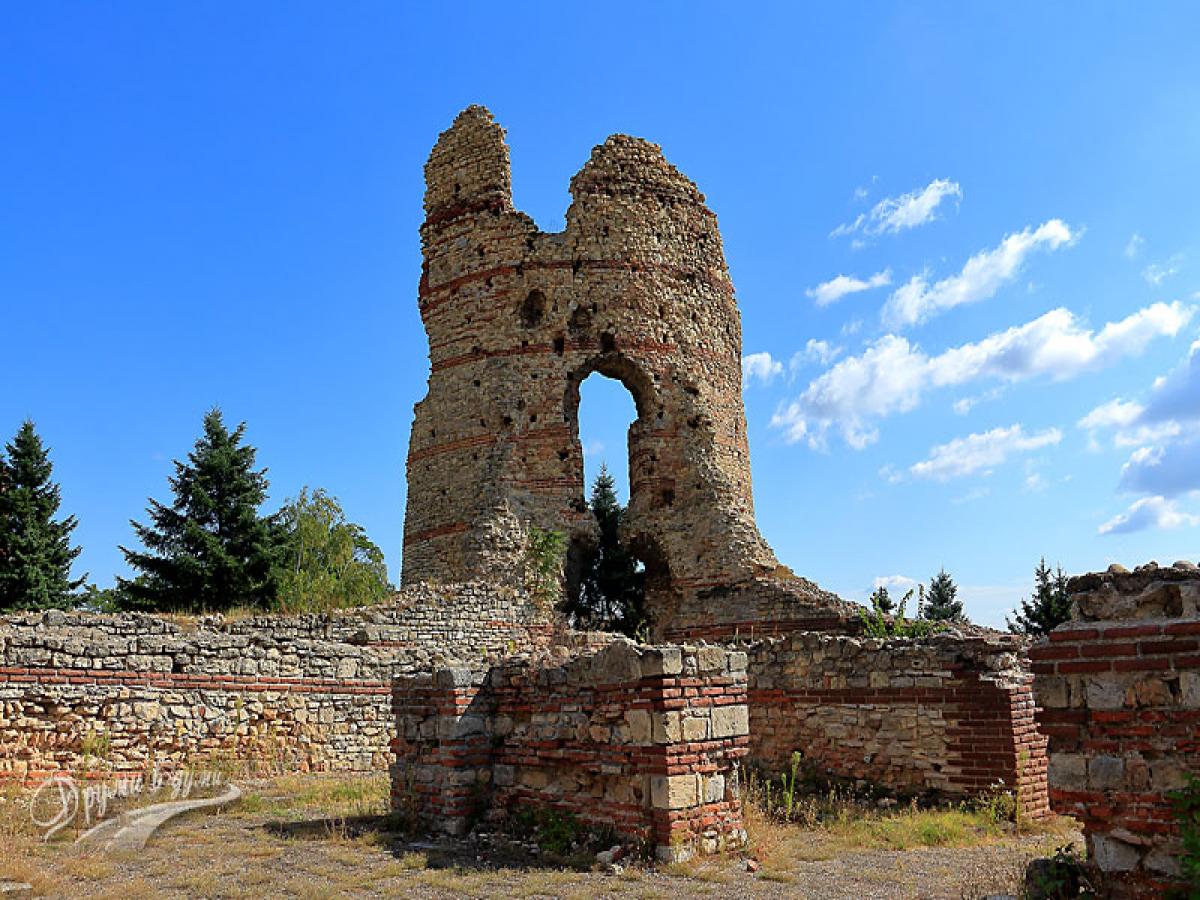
[{"x": 218, "y": 204}]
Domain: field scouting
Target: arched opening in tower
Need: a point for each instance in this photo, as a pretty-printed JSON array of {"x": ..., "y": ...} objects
[
  {"x": 606, "y": 571},
  {"x": 606, "y": 410}
]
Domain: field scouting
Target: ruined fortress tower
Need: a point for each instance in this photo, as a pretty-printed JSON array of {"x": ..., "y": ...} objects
[{"x": 635, "y": 288}]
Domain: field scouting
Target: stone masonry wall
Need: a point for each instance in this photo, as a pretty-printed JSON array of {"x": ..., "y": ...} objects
[
  {"x": 1120, "y": 691},
  {"x": 643, "y": 739},
  {"x": 309, "y": 692},
  {"x": 635, "y": 288},
  {"x": 949, "y": 714}
]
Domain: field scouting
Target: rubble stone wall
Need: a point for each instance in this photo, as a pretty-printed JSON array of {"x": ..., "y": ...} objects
[
  {"x": 948, "y": 714},
  {"x": 635, "y": 288},
  {"x": 645, "y": 740},
  {"x": 1119, "y": 687},
  {"x": 122, "y": 692}
]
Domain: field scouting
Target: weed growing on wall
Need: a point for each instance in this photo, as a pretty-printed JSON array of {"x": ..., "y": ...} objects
[
  {"x": 879, "y": 623},
  {"x": 544, "y": 557},
  {"x": 1186, "y": 804}
]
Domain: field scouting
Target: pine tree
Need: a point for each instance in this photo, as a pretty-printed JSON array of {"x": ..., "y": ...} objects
[
  {"x": 881, "y": 602},
  {"x": 940, "y": 603},
  {"x": 612, "y": 587},
  {"x": 1049, "y": 607},
  {"x": 209, "y": 550},
  {"x": 35, "y": 549}
]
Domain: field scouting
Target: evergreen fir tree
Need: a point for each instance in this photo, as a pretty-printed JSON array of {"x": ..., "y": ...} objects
[
  {"x": 209, "y": 550},
  {"x": 1049, "y": 607},
  {"x": 612, "y": 587},
  {"x": 941, "y": 603},
  {"x": 881, "y": 602},
  {"x": 35, "y": 549}
]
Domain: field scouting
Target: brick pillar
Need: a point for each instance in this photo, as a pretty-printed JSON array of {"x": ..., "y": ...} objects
[
  {"x": 1119, "y": 688},
  {"x": 443, "y": 746}
]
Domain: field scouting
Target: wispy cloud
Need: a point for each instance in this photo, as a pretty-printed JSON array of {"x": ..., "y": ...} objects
[
  {"x": 981, "y": 277},
  {"x": 815, "y": 352},
  {"x": 981, "y": 453},
  {"x": 1156, "y": 273},
  {"x": 893, "y": 375},
  {"x": 836, "y": 288},
  {"x": 761, "y": 367},
  {"x": 1134, "y": 247},
  {"x": 1149, "y": 512},
  {"x": 895, "y": 214}
]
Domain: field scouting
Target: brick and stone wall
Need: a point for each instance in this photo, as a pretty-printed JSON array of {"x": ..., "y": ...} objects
[
  {"x": 1120, "y": 690},
  {"x": 645, "y": 739},
  {"x": 948, "y": 714},
  {"x": 309, "y": 692},
  {"x": 636, "y": 288}
]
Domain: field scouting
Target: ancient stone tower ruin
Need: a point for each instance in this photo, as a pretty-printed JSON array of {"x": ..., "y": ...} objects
[{"x": 635, "y": 288}]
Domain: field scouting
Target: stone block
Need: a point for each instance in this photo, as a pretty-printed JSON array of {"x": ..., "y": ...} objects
[
  {"x": 1106, "y": 772},
  {"x": 637, "y": 726},
  {"x": 1104, "y": 693},
  {"x": 662, "y": 661},
  {"x": 710, "y": 660},
  {"x": 1189, "y": 689},
  {"x": 674, "y": 791},
  {"x": 695, "y": 728},
  {"x": 1068, "y": 770},
  {"x": 1112, "y": 855},
  {"x": 730, "y": 721},
  {"x": 714, "y": 788},
  {"x": 667, "y": 727}
]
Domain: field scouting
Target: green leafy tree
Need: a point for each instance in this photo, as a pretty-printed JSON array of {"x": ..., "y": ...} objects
[
  {"x": 1049, "y": 607},
  {"x": 940, "y": 602},
  {"x": 327, "y": 562},
  {"x": 612, "y": 593},
  {"x": 881, "y": 602},
  {"x": 35, "y": 547},
  {"x": 209, "y": 550}
]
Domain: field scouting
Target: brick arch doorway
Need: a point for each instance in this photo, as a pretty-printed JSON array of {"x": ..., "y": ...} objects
[{"x": 638, "y": 533}]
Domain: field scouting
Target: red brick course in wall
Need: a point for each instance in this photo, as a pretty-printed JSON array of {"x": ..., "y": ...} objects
[
  {"x": 645, "y": 740},
  {"x": 1120, "y": 691}
]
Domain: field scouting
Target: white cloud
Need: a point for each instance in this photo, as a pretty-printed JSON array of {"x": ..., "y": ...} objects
[
  {"x": 898, "y": 583},
  {"x": 892, "y": 375},
  {"x": 1113, "y": 414},
  {"x": 760, "y": 366},
  {"x": 981, "y": 277},
  {"x": 838, "y": 287},
  {"x": 815, "y": 351},
  {"x": 895, "y": 214},
  {"x": 964, "y": 405},
  {"x": 981, "y": 452},
  {"x": 1149, "y": 512},
  {"x": 1156, "y": 273},
  {"x": 1134, "y": 247}
]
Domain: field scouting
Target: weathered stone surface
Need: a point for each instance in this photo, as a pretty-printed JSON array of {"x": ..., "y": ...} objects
[
  {"x": 637, "y": 289},
  {"x": 307, "y": 692}
]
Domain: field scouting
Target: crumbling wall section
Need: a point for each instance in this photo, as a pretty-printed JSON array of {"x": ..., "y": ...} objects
[
  {"x": 123, "y": 692},
  {"x": 949, "y": 714},
  {"x": 1119, "y": 687},
  {"x": 643, "y": 739}
]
